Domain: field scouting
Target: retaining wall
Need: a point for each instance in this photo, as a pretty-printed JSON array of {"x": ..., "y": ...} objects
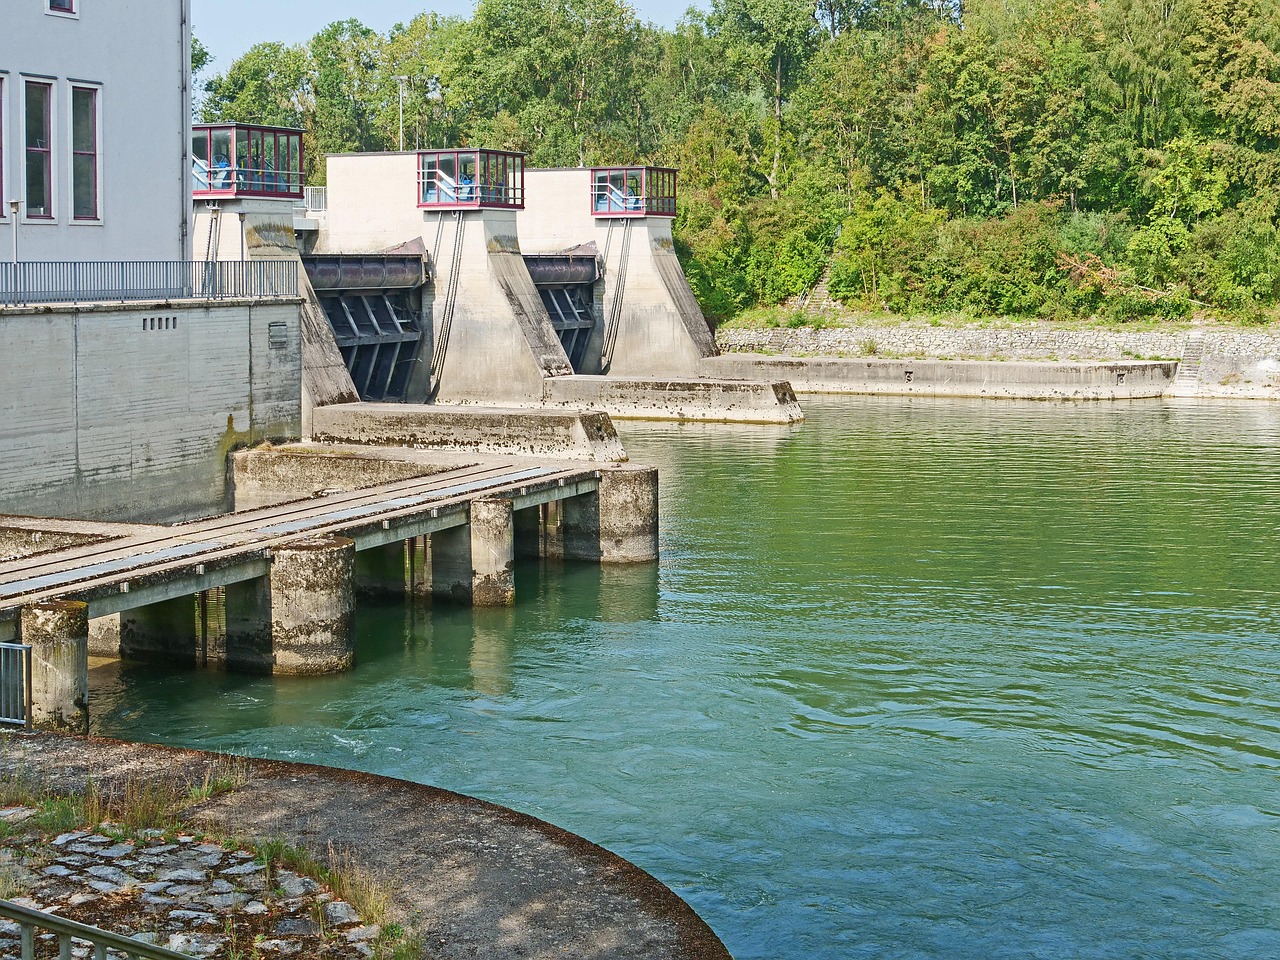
[
  {"x": 1240, "y": 363},
  {"x": 127, "y": 412}
]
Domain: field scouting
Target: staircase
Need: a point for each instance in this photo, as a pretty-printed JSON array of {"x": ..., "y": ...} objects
[{"x": 1187, "y": 379}]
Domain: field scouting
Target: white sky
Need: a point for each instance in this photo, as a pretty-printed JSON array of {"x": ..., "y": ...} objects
[{"x": 230, "y": 27}]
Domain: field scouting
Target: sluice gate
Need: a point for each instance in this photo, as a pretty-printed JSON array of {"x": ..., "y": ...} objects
[
  {"x": 374, "y": 304},
  {"x": 567, "y": 284}
]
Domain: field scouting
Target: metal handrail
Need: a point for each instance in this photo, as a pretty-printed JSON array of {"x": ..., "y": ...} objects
[
  {"x": 89, "y": 281},
  {"x": 102, "y": 940}
]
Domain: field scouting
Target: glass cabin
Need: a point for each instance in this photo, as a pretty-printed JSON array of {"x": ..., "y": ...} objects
[
  {"x": 239, "y": 160},
  {"x": 470, "y": 179},
  {"x": 633, "y": 192}
]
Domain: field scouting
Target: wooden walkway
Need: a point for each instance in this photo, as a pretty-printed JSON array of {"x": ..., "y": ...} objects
[{"x": 155, "y": 563}]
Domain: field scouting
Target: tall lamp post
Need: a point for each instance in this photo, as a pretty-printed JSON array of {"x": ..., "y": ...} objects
[{"x": 401, "y": 80}]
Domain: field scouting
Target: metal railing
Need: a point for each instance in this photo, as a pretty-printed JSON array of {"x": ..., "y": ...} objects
[
  {"x": 315, "y": 198},
  {"x": 123, "y": 280},
  {"x": 15, "y": 684},
  {"x": 66, "y": 930}
]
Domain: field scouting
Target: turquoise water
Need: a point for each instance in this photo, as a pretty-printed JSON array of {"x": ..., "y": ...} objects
[{"x": 917, "y": 678}]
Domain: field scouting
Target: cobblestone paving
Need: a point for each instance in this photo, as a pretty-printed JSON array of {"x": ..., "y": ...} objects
[{"x": 189, "y": 895}]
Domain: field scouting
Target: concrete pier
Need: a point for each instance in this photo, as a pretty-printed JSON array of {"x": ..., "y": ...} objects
[
  {"x": 381, "y": 571},
  {"x": 312, "y": 606},
  {"x": 492, "y": 553},
  {"x": 58, "y": 632},
  {"x": 164, "y": 631},
  {"x": 617, "y": 523}
]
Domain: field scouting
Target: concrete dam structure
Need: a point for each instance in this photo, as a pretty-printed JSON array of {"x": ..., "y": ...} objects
[{"x": 592, "y": 313}]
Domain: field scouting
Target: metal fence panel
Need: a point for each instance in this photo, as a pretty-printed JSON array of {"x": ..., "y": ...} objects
[{"x": 92, "y": 281}]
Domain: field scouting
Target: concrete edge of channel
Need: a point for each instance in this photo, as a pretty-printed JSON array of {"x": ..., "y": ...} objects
[{"x": 65, "y": 762}]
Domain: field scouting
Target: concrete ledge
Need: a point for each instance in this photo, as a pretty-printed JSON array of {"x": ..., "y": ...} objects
[
  {"x": 724, "y": 401},
  {"x": 570, "y": 434},
  {"x": 266, "y": 476},
  {"x": 143, "y": 306},
  {"x": 1018, "y": 380}
]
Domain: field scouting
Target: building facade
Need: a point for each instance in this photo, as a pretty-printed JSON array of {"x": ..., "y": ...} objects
[{"x": 95, "y": 130}]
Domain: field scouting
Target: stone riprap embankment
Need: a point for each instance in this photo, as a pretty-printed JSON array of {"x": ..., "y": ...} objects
[
  {"x": 1232, "y": 362},
  {"x": 188, "y": 895}
]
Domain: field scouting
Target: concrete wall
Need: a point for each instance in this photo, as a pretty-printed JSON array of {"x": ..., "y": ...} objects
[
  {"x": 103, "y": 416},
  {"x": 568, "y": 434},
  {"x": 136, "y": 55},
  {"x": 661, "y": 330},
  {"x": 255, "y": 228},
  {"x": 1236, "y": 363},
  {"x": 955, "y": 378}
]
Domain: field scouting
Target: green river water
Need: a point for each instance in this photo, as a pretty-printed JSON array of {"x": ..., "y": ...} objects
[{"x": 914, "y": 679}]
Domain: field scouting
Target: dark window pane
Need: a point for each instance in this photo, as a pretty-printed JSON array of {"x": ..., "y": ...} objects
[
  {"x": 84, "y": 120},
  {"x": 37, "y": 116},
  {"x": 37, "y": 185},
  {"x": 84, "y": 176}
]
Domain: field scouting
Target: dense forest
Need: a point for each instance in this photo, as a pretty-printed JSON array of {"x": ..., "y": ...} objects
[{"x": 1049, "y": 158}]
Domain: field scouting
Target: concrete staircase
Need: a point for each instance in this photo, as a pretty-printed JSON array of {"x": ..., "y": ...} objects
[{"x": 1186, "y": 381}]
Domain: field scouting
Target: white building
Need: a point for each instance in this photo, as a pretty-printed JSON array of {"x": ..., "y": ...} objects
[{"x": 95, "y": 119}]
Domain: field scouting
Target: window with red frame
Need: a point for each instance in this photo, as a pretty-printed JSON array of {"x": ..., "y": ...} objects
[{"x": 62, "y": 6}]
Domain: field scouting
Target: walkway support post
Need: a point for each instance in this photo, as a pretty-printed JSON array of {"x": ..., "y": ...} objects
[
  {"x": 58, "y": 632},
  {"x": 616, "y": 524},
  {"x": 297, "y": 621},
  {"x": 493, "y": 581},
  {"x": 475, "y": 563}
]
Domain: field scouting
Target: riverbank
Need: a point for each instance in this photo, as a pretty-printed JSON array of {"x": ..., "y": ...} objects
[
  {"x": 991, "y": 359},
  {"x": 465, "y": 877}
]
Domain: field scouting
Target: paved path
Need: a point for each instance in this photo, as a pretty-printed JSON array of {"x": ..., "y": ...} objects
[{"x": 470, "y": 878}]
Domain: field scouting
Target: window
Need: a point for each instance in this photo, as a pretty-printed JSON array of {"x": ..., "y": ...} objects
[
  {"x": 39, "y": 167},
  {"x": 62, "y": 6},
  {"x": 4, "y": 198},
  {"x": 84, "y": 153}
]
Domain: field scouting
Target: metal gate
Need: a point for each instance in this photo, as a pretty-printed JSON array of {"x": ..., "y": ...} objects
[
  {"x": 374, "y": 305},
  {"x": 566, "y": 282},
  {"x": 15, "y": 684}
]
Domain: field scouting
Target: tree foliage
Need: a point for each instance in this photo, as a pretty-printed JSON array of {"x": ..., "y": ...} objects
[{"x": 1036, "y": 157}]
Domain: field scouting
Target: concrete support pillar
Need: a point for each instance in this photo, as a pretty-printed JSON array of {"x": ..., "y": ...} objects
[
  {"x": 616, "y": 524},
  {"x": 492, "y": 553},
  {"x": 475, "y": 563},
  {"x": 451, "y": 564},
  {"x": 161, "y": 632},
  {"x": 381, "y": 571},
  {"x": 298, "y": 620},
  {"x": 420, "y": 568},
  {"x": 104, "y": 636},
  {"x": 58, "y": 632},
  {"x": 528, "y": 532}
]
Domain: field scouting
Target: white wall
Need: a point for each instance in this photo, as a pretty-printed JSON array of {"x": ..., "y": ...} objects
[{"x": 136, "y": 52}]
